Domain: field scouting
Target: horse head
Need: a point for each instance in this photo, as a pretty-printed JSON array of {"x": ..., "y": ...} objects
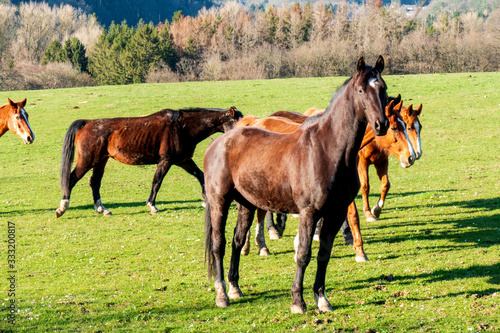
[
  {"x": 397, "y": 138},
  {"x": 18, "y": 121},
  {"x": 414, "y": 127},
  {"x": 370, "y": 95},
  {"x": 235, "y": 115}
]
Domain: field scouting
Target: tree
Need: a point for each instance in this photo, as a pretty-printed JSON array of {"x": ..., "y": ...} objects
[
  {"x": 75, "y": 53},
  {"x": 143, "y": 54},
  {"x": 167, "y": 51},
  {"x": 54, "y": 53}
]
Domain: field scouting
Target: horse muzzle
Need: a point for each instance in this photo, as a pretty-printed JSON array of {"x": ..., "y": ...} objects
[
  {"x": 29, "y": 139},
  {"x": 381, "y": 128}
]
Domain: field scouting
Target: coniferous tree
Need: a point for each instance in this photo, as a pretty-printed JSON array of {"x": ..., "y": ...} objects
[
  {"x": 54, "y": 53},
  {"x": 75, "y": 53}
]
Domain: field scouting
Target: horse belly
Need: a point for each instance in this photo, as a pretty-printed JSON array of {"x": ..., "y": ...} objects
[
  {"x": 266, "y": 194},
  {"x": 134, "y": 151}
]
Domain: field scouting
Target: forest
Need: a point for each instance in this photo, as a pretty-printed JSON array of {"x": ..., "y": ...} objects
[{"x": 53, "y": 46}]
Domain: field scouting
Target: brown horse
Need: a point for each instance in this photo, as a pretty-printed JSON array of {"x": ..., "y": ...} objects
[
  {"x": 311, "y": 171},
  {"x": 411, "y": 118},
  {"x": 275, "y": 124},
  {"x": 376, "y": 148},
  {"x": 14, "y": 117},
  {"x": 166, "y": 138}
]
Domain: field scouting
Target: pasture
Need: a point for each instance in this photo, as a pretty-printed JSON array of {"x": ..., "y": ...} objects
[{"x": 434, "y": 256}]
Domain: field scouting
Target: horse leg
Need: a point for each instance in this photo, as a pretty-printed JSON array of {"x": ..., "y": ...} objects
[
  {"x": 217, "y": 226},
  {"x": 353, "y": 218},
  {"x": 280, "y": 223},
  {"x": 161, "y": 171},
  {"x": 385, "y": 185},
  {"x": 365, "y": 188},
  {"x": 331, "y": 226},
  {"x": 303, "y": 256},
  {"x": 317, "y": 231},
  {"x": 193, "y": 169},
  {"x": 245, "y": 216},
  {"x": 346, "y": 233},
  {"x": 260, "y": 239},
  {"x": 271, "y": 227},
  {"x": 246, "y": 247},
  {"x": 95, "y": 185},
  {"x": 78, "y": 172}
]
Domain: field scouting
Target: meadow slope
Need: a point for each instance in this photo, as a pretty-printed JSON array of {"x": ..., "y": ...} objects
[{"x": 434, "y": 254}]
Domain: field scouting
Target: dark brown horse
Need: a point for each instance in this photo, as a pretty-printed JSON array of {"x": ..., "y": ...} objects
[
  {"x": 14, "y": 117},
  {"x": 311, "y": 171},
  {"x": 166, "y": 138}
]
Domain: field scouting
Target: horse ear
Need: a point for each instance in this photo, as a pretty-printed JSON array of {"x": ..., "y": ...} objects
[
  {"x": 23, "y": 102},
  {"x": 231, "y": 110},
  {"x": 418, "y": 110},
  {"x": 397, "y": 100},
  {"x": 361, "y": 64},
  {"x": 380, "y": 64},
  {"x": 14, "y": 105},
  {"x": 389, "y": 109},
  {"x": 398, "y": 106}
]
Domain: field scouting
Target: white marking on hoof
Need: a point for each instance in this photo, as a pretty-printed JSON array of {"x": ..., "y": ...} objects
[
  {"x": 264, "y": 251},
  {"x": 203, "y": 204},
  {"x": 245, "y": 250},
  {"x": 153, "y": 208},
  {"x": 106, "y": 212},
  {"x": 362, "y": 258},
  {"x": 371, "y": 219},
  {"x": 273, "y": 233},
  {"x": 322, "y": 303},
  {"x": 63, "y": 205},
  {"x": 222, "y": 301},
  {"x": 294, "y": 308},
  {"x": 377, "y": 210},
  {"x": 234, "y": 292},
  {"x": 316, "y": 237}
]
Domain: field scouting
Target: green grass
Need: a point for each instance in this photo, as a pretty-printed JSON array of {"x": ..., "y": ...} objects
[{"x": 438, "y": 236}]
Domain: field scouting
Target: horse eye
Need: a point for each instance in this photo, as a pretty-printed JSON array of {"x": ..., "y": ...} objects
[{"x": 395, "y": 129}]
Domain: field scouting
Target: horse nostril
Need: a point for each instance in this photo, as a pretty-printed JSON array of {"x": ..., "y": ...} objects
[{"x": 412, "y": 160}]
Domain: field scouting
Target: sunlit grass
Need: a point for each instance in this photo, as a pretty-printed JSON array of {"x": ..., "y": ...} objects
[{"x": 434, "y": 254}]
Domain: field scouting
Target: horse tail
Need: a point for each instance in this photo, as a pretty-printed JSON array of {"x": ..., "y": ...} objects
[
  {"x": 68, "y": 152},
  {"x": 209, "y": 252}
]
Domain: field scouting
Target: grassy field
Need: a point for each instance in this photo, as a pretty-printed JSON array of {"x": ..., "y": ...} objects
[{"x": 434, "y": 254}]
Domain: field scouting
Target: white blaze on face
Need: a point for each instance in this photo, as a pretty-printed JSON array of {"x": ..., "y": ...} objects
[
  {"x": 419, "y": 147},
  {"x": 410, "y": 146},
  {"x": 373, "y": 82}
]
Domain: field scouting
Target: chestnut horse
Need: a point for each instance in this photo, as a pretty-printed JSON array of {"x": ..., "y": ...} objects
[
  {"x": 311, "y": 171},
  {"x": 14, "y": 117},
  {"x": 166, "y": 138},
  {"x": 377, "y": 153}
]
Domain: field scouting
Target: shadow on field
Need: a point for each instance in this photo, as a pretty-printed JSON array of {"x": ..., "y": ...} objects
[
  {"x": 162, "y": 205},
  {"x": 455, "y": 274}
]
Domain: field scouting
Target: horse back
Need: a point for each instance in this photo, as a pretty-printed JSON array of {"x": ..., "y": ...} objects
[{"x": 129, "y": 140}]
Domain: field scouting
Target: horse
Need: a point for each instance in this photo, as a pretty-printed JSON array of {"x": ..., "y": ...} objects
[
  {"x": 377, "y": 152},
  {"x": 374, "y": 148},
  {"x": 313, "y": 111},
  {"x": 276, "y": 124},
  {"x": 14, "y": 117},
  {"x": 412, "y": 120},
  {"x": 311, "y": 171},
  {"x": 167, "y": 137}
]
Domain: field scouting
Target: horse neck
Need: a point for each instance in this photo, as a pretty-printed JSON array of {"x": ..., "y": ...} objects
[
  {"x": 341, "y": 119},
  {"x": 4, "y": 120},
  {"x": 201, "y": 125}
]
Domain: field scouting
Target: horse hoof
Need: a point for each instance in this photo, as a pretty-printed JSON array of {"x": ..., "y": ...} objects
[
  {"x": 59, "y": 212},
  {"x": 362, "y": 258},
  {"x": 300, "y": 309},
  {"x": 322, "y": 303},
  {"x": 264, "y": 251},
  {"x": 316, "y": 237},
  {"x": 273, "y": 233},
  {"x": 203, "y": 204},
  {"x": 371, "y": 219},
  {"x": 234, "y": 292},
  {"x": 107, "y": 212},
  {"x": 222, "y": 302},
  {"x": 245, "y": 251},
  {"x": 376, "y": 211}
]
